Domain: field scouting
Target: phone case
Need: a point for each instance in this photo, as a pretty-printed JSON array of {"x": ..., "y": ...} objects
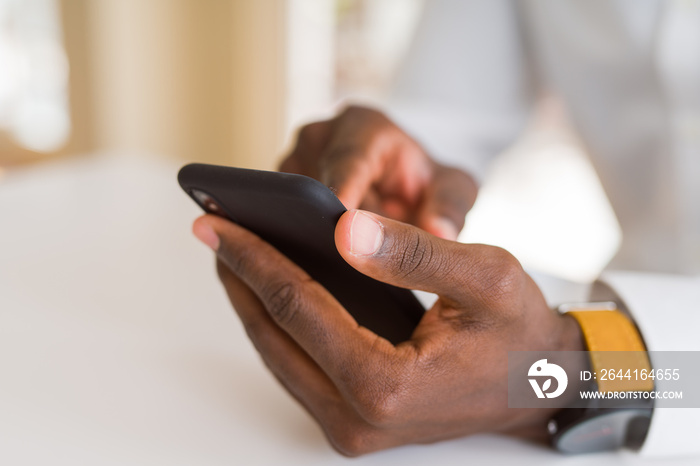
[{"x": 297, "y": 215}]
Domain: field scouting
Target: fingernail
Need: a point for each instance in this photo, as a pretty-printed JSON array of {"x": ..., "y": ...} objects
[
  {"x": 444, "y": 228},
  {"x": 366, "y": 234},
  {"x": 206, "y": 235}
]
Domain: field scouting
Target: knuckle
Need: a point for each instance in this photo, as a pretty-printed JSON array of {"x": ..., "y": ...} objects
[
  {"x": 381, "y": 401},
  {"x": 381, "y": 411},
  {"x": 415, "y": 256},
  {"x": 308, "y": 134},
  {"x": 355, "y": 110},
  {"x": 349, "y": 441},
  {"x": 284, "y": 301},
  {"x": 456, "y": 195},
  {"x": 236, "y": 259},
  {"x": 365, "y": 115},
  {"x": 500, "y": 276}
]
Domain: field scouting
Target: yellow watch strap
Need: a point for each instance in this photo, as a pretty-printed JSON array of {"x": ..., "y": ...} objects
[{"x": 615, "y": 344}]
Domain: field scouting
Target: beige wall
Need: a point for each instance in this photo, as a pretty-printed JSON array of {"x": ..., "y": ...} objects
[
  {"x": 81, "y": 139},
  {"x": 192, "y": 80}
]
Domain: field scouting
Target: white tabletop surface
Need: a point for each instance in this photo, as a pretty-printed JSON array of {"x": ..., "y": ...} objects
[{"x": 118, "y": 346}]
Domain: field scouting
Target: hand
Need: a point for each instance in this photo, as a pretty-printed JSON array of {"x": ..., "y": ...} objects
[
  {"x": 449, "y": 380},
  {"x": 371, "y": 163}
]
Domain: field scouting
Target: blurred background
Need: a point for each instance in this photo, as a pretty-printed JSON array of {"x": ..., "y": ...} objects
[
  {"x": 228, "y": 82},
  {"x": 117, "y": 342},
  {"x": 221, "y": 81}
]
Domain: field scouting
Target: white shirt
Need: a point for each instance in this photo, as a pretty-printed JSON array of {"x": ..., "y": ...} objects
[{"x": 629, "y": 74}]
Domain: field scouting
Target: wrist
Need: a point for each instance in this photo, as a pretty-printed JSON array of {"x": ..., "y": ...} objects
[
  {"x": 611, "y": 340},
  {"x": 571, "y": 336}
]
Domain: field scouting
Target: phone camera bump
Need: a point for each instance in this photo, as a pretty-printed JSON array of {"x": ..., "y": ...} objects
[{"x": 206, "y": 201}]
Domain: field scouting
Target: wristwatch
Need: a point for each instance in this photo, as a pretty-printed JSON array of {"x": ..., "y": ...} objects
[{"x": 612, "y": 341}]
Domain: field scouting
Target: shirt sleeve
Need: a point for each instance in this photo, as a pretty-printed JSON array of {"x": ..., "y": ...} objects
[
  {"x": 465, "y": 89},
  {"x": 666, "y": 309}
]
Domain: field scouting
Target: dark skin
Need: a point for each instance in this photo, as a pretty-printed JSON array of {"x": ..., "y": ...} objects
[
  {"x": 450, "y": 379},
  {"x": 372, "y": 164}
]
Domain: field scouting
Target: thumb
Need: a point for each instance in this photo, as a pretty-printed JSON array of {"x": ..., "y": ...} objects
[{"x": 408, "y": 257}]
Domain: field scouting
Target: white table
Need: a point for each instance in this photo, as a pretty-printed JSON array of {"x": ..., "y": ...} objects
[{"x": 118, "y": 346}]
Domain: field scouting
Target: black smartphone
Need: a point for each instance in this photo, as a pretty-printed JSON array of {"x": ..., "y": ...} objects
[{"x": 298, "y": 215}]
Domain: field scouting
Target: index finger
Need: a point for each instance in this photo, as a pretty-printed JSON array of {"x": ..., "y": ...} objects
[
  {"x": 297, "y": 303},
  {"x": 347, "y": 168},
  {"x": 447, "y": 200},
  {"x": 350, "y": 161}
]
